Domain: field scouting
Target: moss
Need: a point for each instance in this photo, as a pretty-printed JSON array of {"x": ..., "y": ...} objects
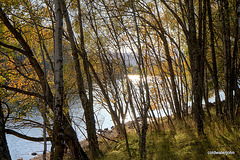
[{"x": 116, "y": 155}]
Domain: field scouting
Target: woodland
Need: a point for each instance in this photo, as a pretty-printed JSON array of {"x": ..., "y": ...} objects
[{"x": 53, "y": 53}]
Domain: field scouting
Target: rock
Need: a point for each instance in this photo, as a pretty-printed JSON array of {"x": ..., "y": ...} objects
[
  {"x": 34, "y": 153},
  {"x": 20, "y": 159},
  {"x": 40, "y": 157}
]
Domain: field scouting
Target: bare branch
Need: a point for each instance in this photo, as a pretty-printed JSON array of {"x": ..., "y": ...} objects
[
  {"x": 19, "y": 135},
  {"x": 12, "y": 47},
  {"x": 22, "y": 91}
]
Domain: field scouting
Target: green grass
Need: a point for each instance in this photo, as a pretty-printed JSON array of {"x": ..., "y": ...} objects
[{"x": 181, "y": 144}]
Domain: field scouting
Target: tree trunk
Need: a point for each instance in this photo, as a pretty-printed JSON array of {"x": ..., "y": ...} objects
[
  {"x": 114, "y": 115},
  {"x": 196, "y": 63},
  {"x": 235, "y": 71},
  {"x": 4, "y": 152},
  {"x": 145, "y": 101},
  {"x": 172, "y": 78},
  {"x": 227, "y": 58},
  {"x": 170, "y": 66},
  {"x": 88, "y": 108},
  {"x": 58, "y": 81},
  {"x": 195, "y": 60},
  {"x": 214, "y": 62},
  {"x": 87, "y": 102},
  {"x": 71, "y": 139}
]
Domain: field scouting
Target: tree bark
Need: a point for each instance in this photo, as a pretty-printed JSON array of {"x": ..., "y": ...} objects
[
  {"x": 58, "y": 138},
  {"x": 196, "y": 63},
  {"x": 225, "y": 18},
  {"x": 214, "y": 62},
  {"x": 4, "y": 151}
]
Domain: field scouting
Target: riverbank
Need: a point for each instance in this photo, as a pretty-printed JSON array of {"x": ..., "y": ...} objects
[
  {"x": 178, "y": 142},
  {"x": 221, "y": 141},
  {"x": 104, "y": 136}
]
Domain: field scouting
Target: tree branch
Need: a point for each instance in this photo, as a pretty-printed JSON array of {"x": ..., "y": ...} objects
[
  {"x": 19, "y": 135},
  {"x": 107, "y": 137},
  {"x": 22, "y": 74},
  {"x": 22, "y": 91},
  {"x": 29, "y": 54},
  {"x": 31, "y": 121},
  {"x": 12, "y": 47},
  {"x": 177, "y": 17}
]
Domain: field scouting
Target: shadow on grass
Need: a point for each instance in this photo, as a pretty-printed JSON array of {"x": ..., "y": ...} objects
[
  {"x": 162, "y": 148},
  {"x": 184, "y": 143}
]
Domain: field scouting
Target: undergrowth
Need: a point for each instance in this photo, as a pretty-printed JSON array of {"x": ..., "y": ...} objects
[{"x": 181, "y": 143}]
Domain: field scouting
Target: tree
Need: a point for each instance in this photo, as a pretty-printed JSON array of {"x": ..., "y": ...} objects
[
  {"x": 70, "y": 136},
  {"x": 214, "y": 63},
  {"x": 195, "y": 56},
  {"x": 4, "y": 152},
  {"x": 144, "y": 88},
  {"x": 162, "y": 33},
  {"x": 58, "y": 80},
  {"x": 87, "y": 101}
]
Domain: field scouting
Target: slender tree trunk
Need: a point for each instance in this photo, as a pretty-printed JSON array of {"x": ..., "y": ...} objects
[
  {"x": 58, "y": 80},
  {"x": 88, "y": 109},
  {"x": 4, "y": 152},
  {"x": 236, "y": 65},
  {"x": 145, "y": 101},
  {"x": 234, "y": 59},
  {"x": 227, "y": 58},
  {"x": 196, "y": 63},
  {"x": 195, "y": 60},
  {"x": 170, "y": 67},
  {"x": 87, "y": 102},
  {"x": 45, "y": 79},
  {"x": 105, "y": 62},
  {"x": 172, "y": 77},
  {"x": 214, "y": 62},
  {"x": 204, "y": 67}
]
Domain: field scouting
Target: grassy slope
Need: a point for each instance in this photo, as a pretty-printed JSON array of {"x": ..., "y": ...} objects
[{"x": 183, "y": 143}]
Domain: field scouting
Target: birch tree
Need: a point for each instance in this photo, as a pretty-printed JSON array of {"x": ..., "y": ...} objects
[{"x": 58, "y": 80}]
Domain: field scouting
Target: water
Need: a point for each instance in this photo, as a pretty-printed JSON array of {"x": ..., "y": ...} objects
[{"x": 20, "y": 148}]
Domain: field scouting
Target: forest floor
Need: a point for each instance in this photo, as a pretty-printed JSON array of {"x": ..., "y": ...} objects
[{"x": 179, "y": 142}]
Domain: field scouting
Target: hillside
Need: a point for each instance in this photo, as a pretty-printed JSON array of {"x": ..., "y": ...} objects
[{"x": 181, "y": 142}]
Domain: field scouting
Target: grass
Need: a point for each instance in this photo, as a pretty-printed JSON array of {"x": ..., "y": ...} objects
[{"x": 181, "y": 144}]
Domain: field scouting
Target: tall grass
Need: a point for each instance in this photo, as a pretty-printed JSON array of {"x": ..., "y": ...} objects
[{"x": 182, "y": 143}]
